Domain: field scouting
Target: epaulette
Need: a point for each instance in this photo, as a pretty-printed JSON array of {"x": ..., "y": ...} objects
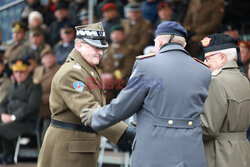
[
  {"x": 145, "y": 56},
  {"x": 200, "y": 61}
]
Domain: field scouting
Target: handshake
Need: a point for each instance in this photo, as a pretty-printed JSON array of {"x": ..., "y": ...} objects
[{"x": 127, "y": 138}]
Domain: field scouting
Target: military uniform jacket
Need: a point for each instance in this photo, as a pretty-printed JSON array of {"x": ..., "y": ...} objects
[
  {"x": 22, "y": 100},
  {"x": 4, "y": 84},
  {"x": 44, "y": 77},
  {"x": 72, "y": 90},
  {"x": 167, "y": 92},
  {"x": 226, "y": 119},
  {"x": 13, "y": 51},
  {"x": 139, "y": 34}
]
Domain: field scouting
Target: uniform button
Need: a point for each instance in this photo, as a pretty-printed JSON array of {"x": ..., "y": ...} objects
[
  {"x": 190, "y": 123},
  {"x": 170, "y": 122}
]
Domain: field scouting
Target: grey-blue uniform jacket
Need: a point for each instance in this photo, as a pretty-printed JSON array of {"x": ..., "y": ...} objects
[{"x": 167, "y": 92}]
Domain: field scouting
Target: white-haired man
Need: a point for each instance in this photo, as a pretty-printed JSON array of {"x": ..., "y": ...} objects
[{"x": 226, "y": 115}]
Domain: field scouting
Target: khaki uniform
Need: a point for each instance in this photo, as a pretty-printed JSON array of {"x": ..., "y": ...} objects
[
  {"x": 63, "y": 147},
  {"x": 28, "y": 51},
  {"x": 203, "y": 18},
  {"x": 44, "y": 77},
  {"x": 13, "y": 51},
  {"x": 226, "y": 119},
  {"x": 4, "y": 84},
  {"x": 139, "y": 34},
  {"x": 118, "y": 59}
]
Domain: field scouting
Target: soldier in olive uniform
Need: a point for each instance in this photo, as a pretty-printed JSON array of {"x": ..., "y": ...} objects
[
  {"x": 32, "y": 50},
  {"x": 18, "y": 37},
  {"x": 18, "y": 109},
  {"x": 138, "y": 30},
  {"x": 226, "y": 116},
  {"x": 43, "y": 75},
  {"x": 117, "y": 63},
  {"x": 76, "y": 86}
]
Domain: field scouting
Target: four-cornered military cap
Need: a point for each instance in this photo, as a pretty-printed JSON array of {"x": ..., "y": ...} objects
[
  {"x": 171, "y": 28},
  {"x": 19, "y": 65},
  {"x": 133, "y": 7},
  {"x": 108, "y": 6},
  {"x": 217, "y": 42},
  {"x": 93, "y": 34},
  {"x": 19, "y": 26}
]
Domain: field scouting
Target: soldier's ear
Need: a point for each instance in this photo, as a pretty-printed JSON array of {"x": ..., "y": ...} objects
[
  {"x": 224, "y": 58},
  {"x": 78, "y": 45}
]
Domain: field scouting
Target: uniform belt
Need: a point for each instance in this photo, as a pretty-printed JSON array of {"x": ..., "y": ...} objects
[
  {"x": 177, "y": 122},
  {"x": 71, "y": 126},
  {"x": 232, "y": 136}
]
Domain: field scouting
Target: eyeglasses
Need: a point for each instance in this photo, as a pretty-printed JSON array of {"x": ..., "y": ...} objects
[{"x": 207, "y": 57}]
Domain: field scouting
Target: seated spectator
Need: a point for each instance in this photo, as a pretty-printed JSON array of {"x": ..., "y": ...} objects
[
  {"x": 138, "y": 31},
  {"x": 117, "y": 63},
  {"x": 165, "y": 11},
  {"x": 4, "y": 81},
  {"x": 49, "y": 12},
  {"x": 31, "y": 5},
  {"x": 43, "y": 75},
  {"x": 32, "y": 49},
  {"x": 231, "y": 29},
  {"x": 61, "y": 13},
  {"x": 36, "y": 21},
  {"x": 149, "y": 10},
  {"x": 110, "y": 18},
  {"x": 84, "y": 17},
  {"x": 65, "y": 46},
  {"x": 18, "y": 109},
  {"x": 2, "y": 47},
  {"x": 18, "y": 40},
  {"x": 74, "y": 10}
]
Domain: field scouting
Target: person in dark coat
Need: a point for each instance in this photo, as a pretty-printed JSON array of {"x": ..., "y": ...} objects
[
  {"x": 18, "y": 109},
  {"x": 61, "y": 13},
  {"x": 74, "y": 10},
  {"x": 167, "y": 91}
]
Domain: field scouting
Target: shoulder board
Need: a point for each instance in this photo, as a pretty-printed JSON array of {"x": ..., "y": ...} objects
[
  {"x": 145, "y": 56},
  {"x": 200, "y": 61}
]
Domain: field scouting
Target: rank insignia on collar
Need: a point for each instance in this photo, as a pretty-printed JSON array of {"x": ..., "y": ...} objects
[
  {"x": 78, "y": 86},
  {"x": 206, "y": 41}
]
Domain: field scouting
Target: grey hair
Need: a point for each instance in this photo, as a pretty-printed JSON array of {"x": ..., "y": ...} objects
[{"x": 177, "y": 39}]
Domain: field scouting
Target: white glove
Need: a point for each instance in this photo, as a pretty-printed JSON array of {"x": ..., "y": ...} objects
[{"x": 86, "y": 115}]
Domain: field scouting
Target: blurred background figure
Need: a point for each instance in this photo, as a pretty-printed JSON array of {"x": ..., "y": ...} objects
[
  {"x": 117, "y": 63},
  {"x": 138, "y": 31},
  {"x": 18, "y": 40},
  {"x": 4, "y": 81},
  {"x": 203, "y": 18},
  {"x": 245, "y": 55},
  {"x": 110, "y": 18},
  {"x": 36, "y": 21},
  {"x": 50, "y": 12},
  {"x": 43, "y": 75},
  {"x": 31, "y": 5},
  {"x": 165, "y": 11},
  {"x": 149, "y": 10},
  {"x": 32, "y": 50},
  {"x": 64, "y": 47},
  {"x": 74, "y": 10},
  {"x": 61, "y": 14},
  {"x": 18, "y": 109},
  {"x": 84, "y": 17}
]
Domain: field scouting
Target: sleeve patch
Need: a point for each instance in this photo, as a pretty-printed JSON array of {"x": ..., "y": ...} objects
[{"x": 78, "y": 86}]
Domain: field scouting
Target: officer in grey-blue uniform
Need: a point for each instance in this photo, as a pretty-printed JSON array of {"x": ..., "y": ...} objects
[{"x": 167, "y": 92}]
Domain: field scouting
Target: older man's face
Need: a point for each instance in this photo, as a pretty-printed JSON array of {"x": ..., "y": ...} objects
[
  {"x": 90, "y": 53},
  {"x": 215, "y": 60},
  {"x": 21, "y": 76}
]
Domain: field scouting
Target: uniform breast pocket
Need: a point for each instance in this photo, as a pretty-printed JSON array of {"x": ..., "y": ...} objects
[{"x": 84, "y": 146}]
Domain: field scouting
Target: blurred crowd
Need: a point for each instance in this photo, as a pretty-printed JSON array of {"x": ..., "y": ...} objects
[{"x": 44, "y": 36}]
